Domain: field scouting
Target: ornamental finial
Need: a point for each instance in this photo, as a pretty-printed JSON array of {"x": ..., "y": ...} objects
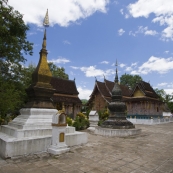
[
  {"x": 46, "y": 20},
  {"x": 116, "y": 75}
]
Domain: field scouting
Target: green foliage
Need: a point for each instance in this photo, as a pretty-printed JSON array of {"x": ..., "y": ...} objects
[
  {"x": 84, "y": 108},
  {"x": 69, "y": 121},
  {"x": 163, "y": 96},
  {"x": 11, "y": 96},
  {"x": 100, "y": 122},
  {"x": 5, "y": 120},
  {"x": 81, "y": 122},
  {"x": 27, "y": 75},
  {"x": 170, "y": 105},
  {"x": 167, "y": 98},
  {"x": 57, "y": 71},
  {"x": 13, "y": 47},
  {"x": 130, "y": 80},
  {"x": 13, "y": 41},
  {"x": 103, "y": 115}
]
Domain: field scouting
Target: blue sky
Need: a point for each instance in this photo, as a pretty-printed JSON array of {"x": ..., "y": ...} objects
[{"x": 87, "y": 36}]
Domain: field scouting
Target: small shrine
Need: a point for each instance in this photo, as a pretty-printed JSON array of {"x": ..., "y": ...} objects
[{"x": 58, "y": 144}]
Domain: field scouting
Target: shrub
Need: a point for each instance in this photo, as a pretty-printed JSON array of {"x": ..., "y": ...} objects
[
  {"x": 81, "y": 122},
  {"x": 103, "y": 115},
  {"x": 69, "y": 121},
  {"x": 4, "y": 120}
]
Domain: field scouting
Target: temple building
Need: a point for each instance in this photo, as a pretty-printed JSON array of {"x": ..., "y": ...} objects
[
  {"x": 141, "y": 102},
  {"x": 66, "y": 94}
]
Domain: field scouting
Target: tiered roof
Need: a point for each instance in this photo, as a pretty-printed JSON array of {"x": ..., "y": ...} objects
[
  {"x": 148, "y": 93},
  {"x": 66, "y": 90},
  {"x": 146, "y": 89},
  {"x": 105, "y": 89}
]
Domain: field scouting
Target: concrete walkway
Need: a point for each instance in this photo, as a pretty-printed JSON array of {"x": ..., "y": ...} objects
[{"x": 151, "y": 151}]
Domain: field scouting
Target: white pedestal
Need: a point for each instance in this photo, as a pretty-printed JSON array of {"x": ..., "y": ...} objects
[
  {"x": 73, "y": 137},
  {"x": 93, "y": 119},
  {"x": 58, "y": 144},
  {"x": 28, "y": 133},
  {"x": 116, "y": 132}
]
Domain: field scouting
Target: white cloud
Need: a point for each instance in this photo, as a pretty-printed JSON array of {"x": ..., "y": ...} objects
[
  {"x": 121, "y": 11},
  {"x": 143, "y": 30},
  {"x": 61, "y": 12},
  {"x": 66, "y": 42},
  {"x": 121, "y": 32},
  {"x": 162, "y": 84},
  {"x": 169, "y": 91},
  {"x": 92, "y": 71},
  {"x": 84, "y": 93},
  {"x": 31, "y": 33},
  {"x": 116, "y": 2},
  {"x": 73, "y": 67},
  {"x": 104, "y": 62},
  {"x": 162, "y": 9},
  {"x": 122, "y": 65},
  {"x": 170, "y": 85},
  {"x": 60, "y": 60},
  {"x": 134, "y": 64},
  {"x": 41, "y": 29},
  {"x": 155, "y": 64},
  {"x": 129, "y": 69},
  {"x": 167, "y": 51},
  {"x": 150, "y": 32}
]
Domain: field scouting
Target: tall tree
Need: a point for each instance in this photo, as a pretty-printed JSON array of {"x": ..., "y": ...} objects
[
  {"x": 163, "y": 95},
  {"x": 130, "y": 80},
  {"x": 13, "y": 47},
  {"x": 167, "y": 98},
  {"x": 57, "y": 71},
  {"x": 13, "y": 41}
]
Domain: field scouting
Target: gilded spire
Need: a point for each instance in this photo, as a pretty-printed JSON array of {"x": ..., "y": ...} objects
[
  {"x": 40, "y": 91},
  {"x": 42, "y": 75}
]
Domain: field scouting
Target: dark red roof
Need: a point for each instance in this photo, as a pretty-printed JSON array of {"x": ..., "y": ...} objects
[
  {"x": 125, "y": 90},
  {"x": 102, "y": 88},
  {"x": 146, "y": 89},
  {"x": 66, "y": 99},
  {"x": 64, "y": 86}
]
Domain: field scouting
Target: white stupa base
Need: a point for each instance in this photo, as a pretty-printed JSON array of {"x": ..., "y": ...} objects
[
  {"x": 28, "y": 133},
  {"x": 31, "y": 132},
  {"x": 55, "y": 150},
  {"x": 116, "y": 132},
  {"x": 73, "y": 137}
]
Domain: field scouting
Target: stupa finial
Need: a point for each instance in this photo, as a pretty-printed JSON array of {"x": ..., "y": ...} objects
[
  {"x": 116, "y": 75},
  {"x": 45, "y": 24},
  {"x": 44, "y": 40},
  {"x": 46, "y": 20}
]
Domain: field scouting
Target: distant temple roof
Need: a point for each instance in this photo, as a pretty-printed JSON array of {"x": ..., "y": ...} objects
[
  {"x": 105, "y": 89},
  {"x": 66, "y": 91},
  {"x": 146, "y": 89},
  {"x": 64, "y": 86}
]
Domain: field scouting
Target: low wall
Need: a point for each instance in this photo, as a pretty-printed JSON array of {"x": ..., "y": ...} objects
[{"x": 150, "y": 121}]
